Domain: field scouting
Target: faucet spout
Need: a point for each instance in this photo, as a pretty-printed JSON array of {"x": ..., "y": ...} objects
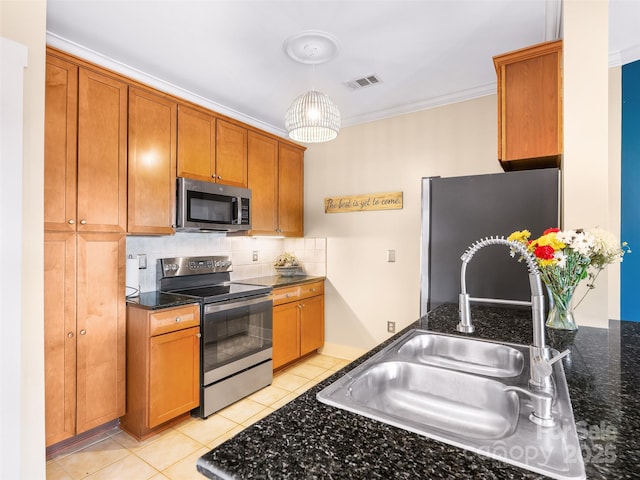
[{"x": 538, "y": 347}]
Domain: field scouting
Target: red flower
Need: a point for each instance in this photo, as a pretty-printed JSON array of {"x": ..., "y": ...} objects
[
  {"x": 551, "y": 230},
  {"x": 545, "y": 252}
]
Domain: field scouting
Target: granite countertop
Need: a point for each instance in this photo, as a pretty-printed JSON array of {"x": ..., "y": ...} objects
[
  {"x": 276, "y": 281},
  {"x": 306, "y": 439},
  {"x": 156, "y": 300}
]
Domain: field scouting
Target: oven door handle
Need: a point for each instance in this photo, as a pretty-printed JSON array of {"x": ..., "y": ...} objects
[{"x": 229, "y": 304}]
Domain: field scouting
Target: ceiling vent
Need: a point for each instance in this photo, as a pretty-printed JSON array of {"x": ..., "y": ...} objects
[{"x": 363, "y": 82}]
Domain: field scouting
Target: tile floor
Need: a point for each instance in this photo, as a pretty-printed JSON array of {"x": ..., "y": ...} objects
[{"x": 173, "y": 453}]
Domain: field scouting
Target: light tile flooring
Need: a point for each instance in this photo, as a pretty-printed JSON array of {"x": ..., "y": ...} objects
[{"x": 173, "y": 453}]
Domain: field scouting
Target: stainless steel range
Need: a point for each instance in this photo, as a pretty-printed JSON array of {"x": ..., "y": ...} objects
[{"x": 236, "y": 323}]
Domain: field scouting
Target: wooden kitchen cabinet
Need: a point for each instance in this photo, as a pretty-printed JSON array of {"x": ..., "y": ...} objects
[
  {"x": 211, "y": 149},
  {"x": 298, "y": 321},
  {"x": 152, "y": 163},
  {"x": 276, "y": 180},
  {"x": 163, "y": 367},
  {"x": 85, "y": 149},
  {"x": 84, "y": 330},
  {"x": 530, "y": 107}
]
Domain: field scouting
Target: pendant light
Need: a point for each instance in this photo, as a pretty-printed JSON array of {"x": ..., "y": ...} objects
[{"x": 312, "y": 117}]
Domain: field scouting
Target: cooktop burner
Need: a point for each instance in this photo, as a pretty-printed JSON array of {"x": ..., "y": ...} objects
[
  {"x": 205, "y": 278},
  {"x": 227, "y": 291}
]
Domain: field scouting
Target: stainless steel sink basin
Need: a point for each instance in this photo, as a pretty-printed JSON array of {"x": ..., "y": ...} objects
[
  {"x": 452, "y": 389},
  {"x": 473, "y": 356},
  {"x": 437, "y": 398}
]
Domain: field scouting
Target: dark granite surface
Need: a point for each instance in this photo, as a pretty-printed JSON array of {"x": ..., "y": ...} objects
[
  {"x": 306, "y": 439},
  {"x": 276, "y": 281},
  {"x": 156, "y": 300}
]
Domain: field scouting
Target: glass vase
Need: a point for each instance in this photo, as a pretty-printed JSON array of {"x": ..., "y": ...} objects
[{"x": 560, "y": 315}]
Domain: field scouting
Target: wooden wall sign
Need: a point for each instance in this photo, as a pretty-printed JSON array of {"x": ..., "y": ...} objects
[{"x": 360, "y": 203}]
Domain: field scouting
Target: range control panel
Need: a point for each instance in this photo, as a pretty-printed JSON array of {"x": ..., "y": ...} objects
[{"x": 180, "y": 266}]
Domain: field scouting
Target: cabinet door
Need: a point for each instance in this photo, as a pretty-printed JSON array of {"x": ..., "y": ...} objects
[
  {"x": 59, "y": 335},
  {"x": 174, "y": 379},
  {"x": 290, "y": 191},
  {"x": 530, "y": 106},
  {"x": 101, "y": 321},
  {"x": 60, "y": 154},
  {"x": 196, "y": 144},
  {"x": 152, "y": 163},
  {"x": 312, "y": 324},
  {"x": 102, "y": 153},
  {"x": 286, "y": 333},
  {"x": 231, "y": 154},
  {"x": 262, "y": 172}
]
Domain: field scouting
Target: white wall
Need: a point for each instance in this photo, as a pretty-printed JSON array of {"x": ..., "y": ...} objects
[
  {"x": 586, "y": 164},
  {"x": 24, "y": 22},
  {"x": 363, "y": 290}
]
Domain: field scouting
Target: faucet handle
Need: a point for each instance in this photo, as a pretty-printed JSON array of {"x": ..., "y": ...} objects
[{"x": 543, "y": 367}]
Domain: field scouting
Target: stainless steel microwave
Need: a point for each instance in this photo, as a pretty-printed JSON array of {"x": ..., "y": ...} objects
[{"x": 211, "y": 207}]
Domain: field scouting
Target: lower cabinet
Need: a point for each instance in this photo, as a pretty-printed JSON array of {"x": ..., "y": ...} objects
[
  {"x": 298, "y": 321},
  {"x": 163, "y": 367}
]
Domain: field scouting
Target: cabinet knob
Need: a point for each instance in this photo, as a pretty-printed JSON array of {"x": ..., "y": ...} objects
[
  {"x": 287, "y": 295},
  {"x": 71, "y": 221},
  {"x": 83, "y": 332},
  {"x": 313, "y": 289},
  {"x": 70, "y": 335},
  {"x": 198, "y": 335},
  {"x": 83, "y": 222},
  {"x": 219, "y": 177},
  {"x": 301, "y": 306},
  {"x": 178, "y": 319}
]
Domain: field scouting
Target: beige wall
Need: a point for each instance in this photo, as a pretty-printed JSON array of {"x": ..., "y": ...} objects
[
  {"x": 363, "y": 290},
  {"x": 24, "y": 22}
]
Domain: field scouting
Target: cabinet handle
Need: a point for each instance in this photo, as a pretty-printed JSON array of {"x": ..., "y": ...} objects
[
  {"x": 178, "y": 319},
  {"x": 313, "y": 289},
  {"x": 83, "y": 222},
  {"x": 287, "y": 295},
  {"x": 83, "y": 332},
  {"x": 71, "y": 221},
  {"x": 198, "y": 335},
  {"x": 301, "y": 306},
  {"x": 219, "y": 177},
  {"x": 70, "y": 335}
]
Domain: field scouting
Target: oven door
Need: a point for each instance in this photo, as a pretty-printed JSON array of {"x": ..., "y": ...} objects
[{"x": 236, "y": 335}]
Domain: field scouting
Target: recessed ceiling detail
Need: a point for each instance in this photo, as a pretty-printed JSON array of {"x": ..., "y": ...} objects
[
  {"x": 367, "y": 81},
  {"x": 311, "y": 47}
]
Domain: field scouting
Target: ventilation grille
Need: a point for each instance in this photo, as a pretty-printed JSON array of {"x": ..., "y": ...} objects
[{"x": 363, "y": 82}]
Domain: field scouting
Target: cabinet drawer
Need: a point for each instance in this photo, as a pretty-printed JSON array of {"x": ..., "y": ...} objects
[
  {"x": 173, "y": 319},
  {"x": 311, "y": 289},
  {"x": 286, "y": 294}
]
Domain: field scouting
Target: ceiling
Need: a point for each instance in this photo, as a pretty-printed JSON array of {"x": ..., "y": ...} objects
[{"x": 229, "y": 56}]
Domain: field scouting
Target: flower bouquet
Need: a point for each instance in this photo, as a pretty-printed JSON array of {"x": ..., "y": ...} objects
[{"x": 564, "y": 259}]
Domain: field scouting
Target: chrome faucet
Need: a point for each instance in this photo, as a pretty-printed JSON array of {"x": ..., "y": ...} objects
[{"x": 540, "y": 355}]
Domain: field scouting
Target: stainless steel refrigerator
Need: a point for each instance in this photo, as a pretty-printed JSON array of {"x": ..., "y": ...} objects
[{"x": 457, "y": 211}]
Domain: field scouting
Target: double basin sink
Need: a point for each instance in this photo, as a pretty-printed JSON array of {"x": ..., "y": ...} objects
[{"x": 454, "y": 389}]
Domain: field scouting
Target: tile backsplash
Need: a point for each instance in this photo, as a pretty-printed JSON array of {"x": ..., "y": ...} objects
[{"x": 310, "y": 251}]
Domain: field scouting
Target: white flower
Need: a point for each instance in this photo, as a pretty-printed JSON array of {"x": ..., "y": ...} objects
[
  {"x": 566, "y": 236},
  {"x": 583, "y": 243},
  {"x": 561, "y": 259},
  {"x": 605, "y": 243}
]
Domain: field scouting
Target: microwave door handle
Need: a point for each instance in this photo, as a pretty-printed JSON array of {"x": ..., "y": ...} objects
[{"x": 239, "y": 210}]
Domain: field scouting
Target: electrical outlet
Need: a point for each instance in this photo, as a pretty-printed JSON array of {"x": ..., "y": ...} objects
[
  {"x": 391, "y": 327},
  {"x": 255, "y": 255},
  {"x": 142, "y": 261},
  {"x": 391, "y": 256}
]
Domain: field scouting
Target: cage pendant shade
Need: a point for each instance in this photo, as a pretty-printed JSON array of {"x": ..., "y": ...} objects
[{"x": 313, "y": 118}]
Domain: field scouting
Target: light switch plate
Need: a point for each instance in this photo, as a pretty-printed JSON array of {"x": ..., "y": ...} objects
[
  {"x": 391, "y": 255},
  {"x": 142, "y": 261}
]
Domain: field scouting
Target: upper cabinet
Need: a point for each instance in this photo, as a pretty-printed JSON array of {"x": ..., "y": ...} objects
[
  {"x": 530, "y": 107},
  {"x": 152, "y": 163},
  {"x": 276, "y": 181},
  {"x": 85, "y": 150},
  {"x": 211, "y": 149}
]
